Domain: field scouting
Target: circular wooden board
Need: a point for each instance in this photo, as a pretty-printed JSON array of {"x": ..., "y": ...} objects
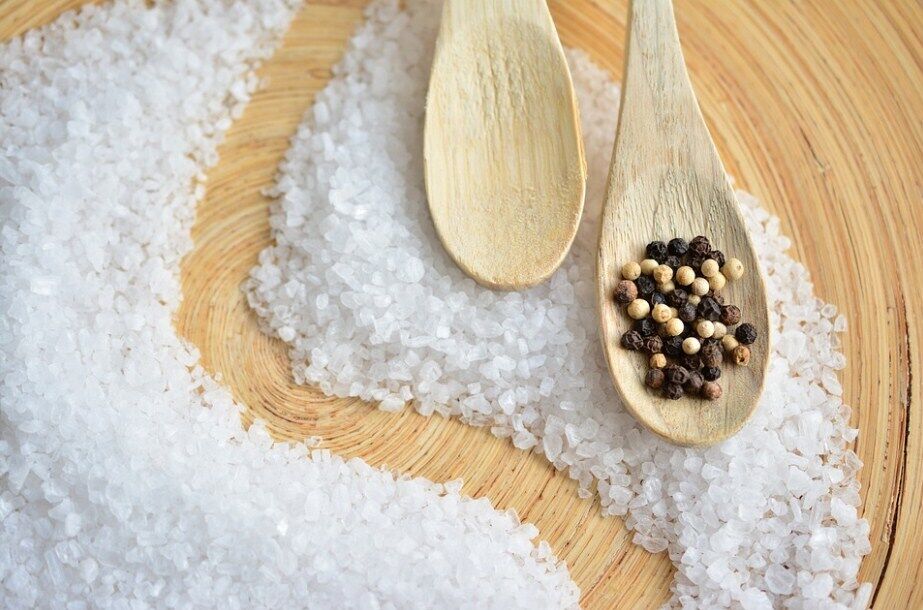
[{"x": 815, "y": 107}]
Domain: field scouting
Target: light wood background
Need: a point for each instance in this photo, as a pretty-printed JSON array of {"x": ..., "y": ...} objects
[{"x": 816, "y": 107}]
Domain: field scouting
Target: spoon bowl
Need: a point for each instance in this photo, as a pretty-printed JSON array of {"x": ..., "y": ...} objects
[
  {"x": 505, "y": 170},
  {"x": 666, "y": 180}
]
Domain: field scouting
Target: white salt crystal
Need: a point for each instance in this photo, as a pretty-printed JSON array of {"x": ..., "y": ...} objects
[
  {"x": 72, "y": 524},
  {"x": 287, "y": 333},
  {"x": 754, "y": 599},
  {"x": 392, "y": 403},
  {"x": 820, "y": 587},
  {"x": 842, "y": 512},
  {"x": 552, "y": 446},
  {"x": 43, "y": 285},
  {"x": 89, "y": 569},
  {"x": 779, "y": 580}
]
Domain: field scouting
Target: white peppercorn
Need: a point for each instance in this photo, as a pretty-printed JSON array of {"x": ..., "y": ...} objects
[
  {"x": 700, "y": 286},
  {"x": 674, "y": 327},
  {"x": 705, "y": 329},
  {"x": 662, "y": 273},
  {"x": 729, "y": 342},
  {"x": 720, "y": 330},
  {"x": 666, "y": 287},
  {"x": 691, "y": 345},
  {"x": 733, "y": 269},
  {"x": 717, "y": 281},
  {"x": 709, "y": 267},
  {"x": 638, "y": 309},
  {"x": 631, "y": 270},
  {"x": 694, "y": 299},
  {"x": 658, "y": 361},
  {"x": 685, "y": 275},
  {"x": 648, "y": 265},
  {"x": 661, "y": 313}
]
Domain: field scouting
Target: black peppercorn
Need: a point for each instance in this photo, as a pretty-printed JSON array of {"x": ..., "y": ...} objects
[
  {"x": 654, "y": 378},
  {"x": 625, "y": 292},
  {"x": 718, "y": 255},
  {"x": 700, "y": 246},
  {"x": 745, "y": 333},
  {"x": 676, "y": 374},
  {"x": 653, "y": 345},
  {"x": 677, "y": 298},
  {"x": 657, "y": 250},
  {"x": 632, "y": 340},
  {"x": 658, "y": 298},
  {"x": 694, "y": 260},
  {"x": 717, "y": 297},
  {"x": 673, "y": 262},
  {"x": 673, "y": 347},
  {"x": 730, "y": 315},
  {"x": 687, "y": 313},
  {"x": 646, "y": 327},
  {"x": 711, "y": 373},
  {"x": 692, "y": 362},
  {"x": 712, "y": 354},
  {"x": 678, "y": 246},
  {"x": 646, "y": 286},
  {"x": 673, "y": 391},
  {"x": 694, "y": 383},
  {"x": 709, "y": 309}
]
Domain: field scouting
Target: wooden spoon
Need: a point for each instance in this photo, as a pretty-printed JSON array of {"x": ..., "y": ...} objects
[
  {"x": 505, "y": 172},
  {"x": 667, "y": 181}
]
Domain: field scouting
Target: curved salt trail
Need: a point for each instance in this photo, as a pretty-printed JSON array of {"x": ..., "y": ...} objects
[
  {"x": 766, "y": 518},
  {"x": 125, "y": 475}
]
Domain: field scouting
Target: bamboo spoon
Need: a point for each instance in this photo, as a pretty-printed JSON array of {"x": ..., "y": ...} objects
[
  {"x": 505, "y": 172},
  {"x": 666, "y": 180}
]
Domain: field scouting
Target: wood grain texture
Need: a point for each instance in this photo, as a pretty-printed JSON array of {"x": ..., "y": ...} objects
[
  {"x": 505, "y": 171},
  {"x": 814, "y": 106},
  {"x": 667, "y": 181}
]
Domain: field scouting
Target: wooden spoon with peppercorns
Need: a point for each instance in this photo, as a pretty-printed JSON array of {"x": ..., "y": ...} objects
[{"x": 667, "y": 181}]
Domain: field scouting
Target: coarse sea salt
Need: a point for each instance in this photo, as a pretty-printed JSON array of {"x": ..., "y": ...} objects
[
  {"x": 126, "y": 479},
  {"x": 766, "y": 519}
]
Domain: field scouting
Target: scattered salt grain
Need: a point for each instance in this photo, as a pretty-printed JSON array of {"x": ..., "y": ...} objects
[
  {"x": 126, "y": 479},
  {"x": 351, "y": 221}
]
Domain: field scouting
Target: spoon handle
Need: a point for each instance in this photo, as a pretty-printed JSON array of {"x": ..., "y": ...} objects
[{"x": 659, "y": 107}]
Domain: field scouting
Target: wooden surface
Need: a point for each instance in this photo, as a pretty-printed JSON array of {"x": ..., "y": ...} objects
[
  {"x": 815, "y": 106},
  {"x": 505, "y": 173},
  {"x": 667, "y": 181}
]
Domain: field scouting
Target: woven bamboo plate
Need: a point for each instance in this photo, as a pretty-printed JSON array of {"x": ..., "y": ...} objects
[{"x": 815, "y": 107}]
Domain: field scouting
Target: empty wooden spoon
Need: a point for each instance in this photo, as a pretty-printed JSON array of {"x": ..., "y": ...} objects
[
  {"x": 667, "y": 181},
  {"x": 505, "y": 172}
]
